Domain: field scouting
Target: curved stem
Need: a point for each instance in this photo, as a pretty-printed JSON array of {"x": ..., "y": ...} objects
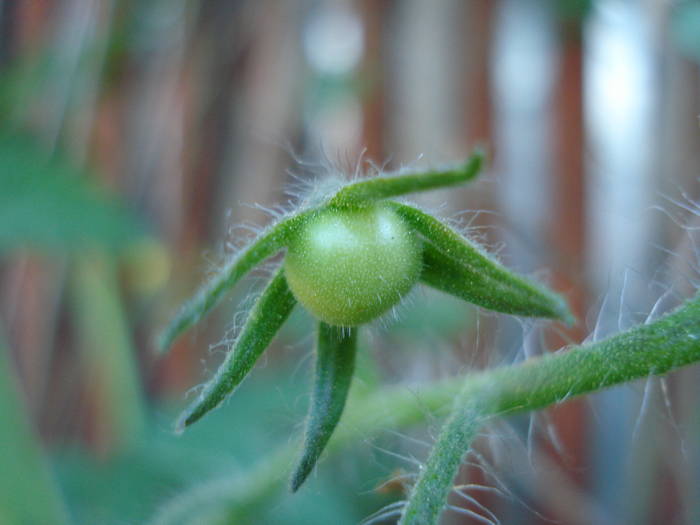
[
  {"x": 653, "y": 349},
  {"x": 429, "y": 496}
]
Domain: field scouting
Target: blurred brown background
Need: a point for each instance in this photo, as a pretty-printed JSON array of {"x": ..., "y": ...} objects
[{"x": 189, "y": 112}]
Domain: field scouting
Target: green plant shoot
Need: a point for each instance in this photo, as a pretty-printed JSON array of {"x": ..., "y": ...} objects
[{"x": 350, "y": 260}]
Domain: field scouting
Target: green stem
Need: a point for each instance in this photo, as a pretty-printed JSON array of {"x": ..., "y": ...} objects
[
  {"x": 434, "y": 484},
  {"x": 651, "y": 349},
  {"x": 659, "y": 347}
]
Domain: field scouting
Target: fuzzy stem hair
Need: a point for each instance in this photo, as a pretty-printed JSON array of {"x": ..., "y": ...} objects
[{"x": 652, "y": 349}]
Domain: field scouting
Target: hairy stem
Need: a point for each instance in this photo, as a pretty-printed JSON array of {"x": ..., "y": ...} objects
[
  {"x": 654, "y": 349},
  {"x": 645, "y": 350},
  {"x": 434, "y": 484}
]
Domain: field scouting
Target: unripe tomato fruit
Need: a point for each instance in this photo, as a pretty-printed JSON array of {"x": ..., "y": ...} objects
[{"x": 348, "y": 266}]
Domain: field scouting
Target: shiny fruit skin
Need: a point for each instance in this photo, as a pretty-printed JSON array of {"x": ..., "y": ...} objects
[{"x": 348, "y": 266}]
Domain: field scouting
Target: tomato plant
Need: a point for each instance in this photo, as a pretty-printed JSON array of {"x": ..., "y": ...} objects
[{"x": 349, "y": 259}]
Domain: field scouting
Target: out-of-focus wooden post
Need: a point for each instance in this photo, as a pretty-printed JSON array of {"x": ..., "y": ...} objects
[
  {"x": 374, "y": 17},
  {"x": 568, "y": 236}
]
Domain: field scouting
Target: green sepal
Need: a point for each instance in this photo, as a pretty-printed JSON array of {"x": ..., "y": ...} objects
[
  {"x": 264, "y": 320},
  {"x": 386, "y": 186},
  {"x": 335, "y": 364},
  {"x": 454, "y": 265},
  {"x": 264, "y": 246}
]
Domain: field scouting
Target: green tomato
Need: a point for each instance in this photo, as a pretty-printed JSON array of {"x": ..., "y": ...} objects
[{"x": 348, "y": 266}]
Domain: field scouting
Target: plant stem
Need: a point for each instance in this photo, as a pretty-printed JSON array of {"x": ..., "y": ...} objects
[
  {"x": 434, "y": 485},
  {"x": 652, "y": 349}
]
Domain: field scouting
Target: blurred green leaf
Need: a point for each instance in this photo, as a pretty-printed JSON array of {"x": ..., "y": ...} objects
[
  {"x": 572, "y": 11},
  {"x": 433, "y": 315},
  {"x": 685, "y": 29},
  {"x": 132, "y": 485},
  {"x": 47, "y": 203},
  {"x": 19, "y": 83},
  {"x": 28, "y": 494},
  {"x": 107, "y": 350}
]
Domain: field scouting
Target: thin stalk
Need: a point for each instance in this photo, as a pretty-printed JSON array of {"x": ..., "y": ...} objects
[
  {"x": 652, "y": 349},
  {"x": 435, "y": 483}
]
